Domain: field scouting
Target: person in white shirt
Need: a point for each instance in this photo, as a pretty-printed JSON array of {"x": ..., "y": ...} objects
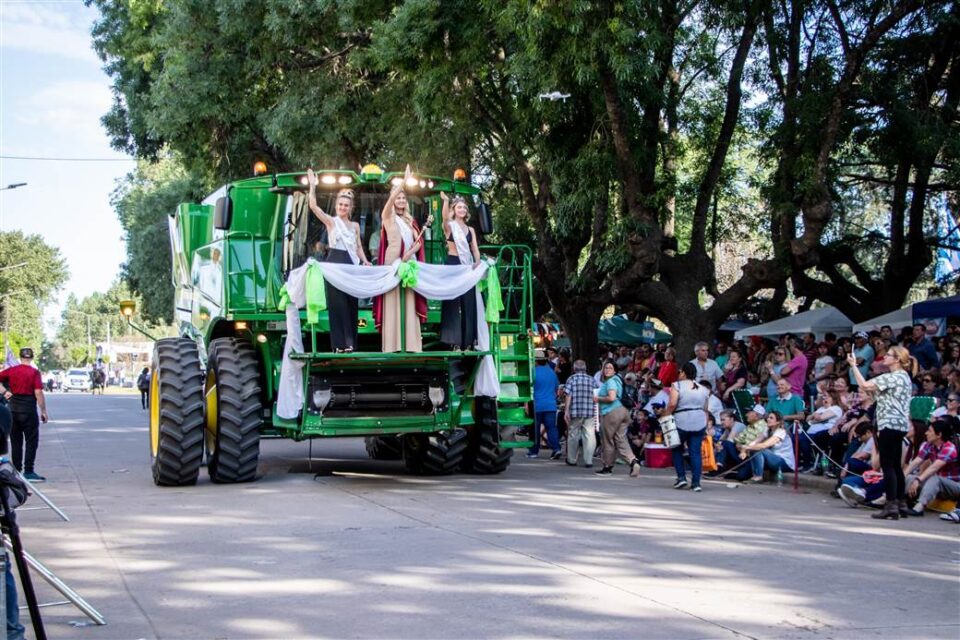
[
  {"x": 707, "y": 369},
  {"x": 775, "y": 452}
]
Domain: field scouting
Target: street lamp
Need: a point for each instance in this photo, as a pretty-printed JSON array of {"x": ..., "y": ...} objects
[{"x": 13, "y": 186}]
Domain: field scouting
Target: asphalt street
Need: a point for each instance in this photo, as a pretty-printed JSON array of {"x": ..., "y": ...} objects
[{"x": 345, "y": 547}]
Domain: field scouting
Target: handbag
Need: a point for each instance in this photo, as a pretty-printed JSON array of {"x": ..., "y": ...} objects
[{"x": 707, "y": 454}]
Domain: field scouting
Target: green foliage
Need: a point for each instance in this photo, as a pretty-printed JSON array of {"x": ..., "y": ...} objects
[
  {"x": 144, "y": 201},
  {"x": 26, "y": 288}
]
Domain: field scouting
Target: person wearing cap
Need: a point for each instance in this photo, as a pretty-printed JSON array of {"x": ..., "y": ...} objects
[
  {"x": 865, "y": 356},
  {"x": 23, "y": 389},
  {"x": 734, "y": 443}
]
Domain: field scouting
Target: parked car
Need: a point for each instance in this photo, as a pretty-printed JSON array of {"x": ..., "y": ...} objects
[{"x": 77, "y": 380}]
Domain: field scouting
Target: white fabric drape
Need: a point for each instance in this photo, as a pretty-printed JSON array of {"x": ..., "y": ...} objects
[{"x": 434, "y": 282}]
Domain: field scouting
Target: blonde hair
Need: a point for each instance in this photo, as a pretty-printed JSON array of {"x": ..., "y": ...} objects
[
  {"x": 904, "y": 359},
  {"x": 345, "y": 193}
]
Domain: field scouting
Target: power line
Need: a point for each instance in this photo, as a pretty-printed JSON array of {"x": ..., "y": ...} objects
[{"x": 49, "y": 159}]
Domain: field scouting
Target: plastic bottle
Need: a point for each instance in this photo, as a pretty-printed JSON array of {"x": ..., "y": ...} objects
[
  {"x": 824, "y": 463},
  {"x": 779, "y": 477}
]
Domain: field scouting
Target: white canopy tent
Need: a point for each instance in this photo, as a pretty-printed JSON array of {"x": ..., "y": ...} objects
[
  {"x": 896, "y": 319},
  {"x": 816, "y": 321}
]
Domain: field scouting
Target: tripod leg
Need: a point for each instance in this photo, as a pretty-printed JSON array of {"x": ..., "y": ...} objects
[{"x": 28, "y": 593}]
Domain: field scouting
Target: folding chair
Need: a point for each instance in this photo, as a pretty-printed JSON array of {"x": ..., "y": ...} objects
[
  {"x": 921, "y": 408},
  {"x": 742, "y": 402}
]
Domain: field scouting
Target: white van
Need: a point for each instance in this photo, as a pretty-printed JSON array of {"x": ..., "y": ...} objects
[{"x": 76, "y": 380}]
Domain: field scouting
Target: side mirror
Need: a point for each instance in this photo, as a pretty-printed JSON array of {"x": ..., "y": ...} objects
[
  {"x": 223, "y": 213},
  {"x": 485, "y": 217}
]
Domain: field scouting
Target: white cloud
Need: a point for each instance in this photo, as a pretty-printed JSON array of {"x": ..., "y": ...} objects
[
  {"x": 49, "y": 28},
  {"x": 70, "y": 108}
]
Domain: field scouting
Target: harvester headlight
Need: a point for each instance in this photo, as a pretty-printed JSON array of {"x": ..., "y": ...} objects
[
  {"x": 411, "y": 181},
  {"x": 430, "y": 184},
  {"x": 344, "y": 179},
  {"x": 422, "y": 183},
  {"x": 328, "y": 179},
  {"x": 261, "y": 338},
  {"x": 304, "y": 181},
  {"x": 397, "y": 182},
  {"x": 321, "y": 398},
  {"x": 240, "y": 325},
  {"x": 436, "y": 396}
]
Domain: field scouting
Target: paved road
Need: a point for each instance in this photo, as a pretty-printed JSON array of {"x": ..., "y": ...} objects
[{"x": 358, "y": 549}]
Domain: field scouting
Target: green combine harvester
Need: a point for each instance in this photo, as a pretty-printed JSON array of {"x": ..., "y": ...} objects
[{"x": 214, "y": 389}]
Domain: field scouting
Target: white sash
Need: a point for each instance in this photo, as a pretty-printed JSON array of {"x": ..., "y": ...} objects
[
  {"x": 345, "y": 239},
  {"x": 406, "y": 232},
  {"x": 460, "y": 239}
]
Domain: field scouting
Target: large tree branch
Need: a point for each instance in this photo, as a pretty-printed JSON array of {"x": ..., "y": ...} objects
[{"x": 731, "y": 114}]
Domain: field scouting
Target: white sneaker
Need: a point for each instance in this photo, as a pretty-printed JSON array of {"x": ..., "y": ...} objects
[{"x": 852, "y": 496}]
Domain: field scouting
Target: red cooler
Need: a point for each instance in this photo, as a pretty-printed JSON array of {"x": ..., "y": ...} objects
[{"x": 657, "y": 456}]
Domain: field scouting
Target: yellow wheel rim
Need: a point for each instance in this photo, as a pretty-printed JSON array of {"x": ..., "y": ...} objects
[
  {"x": 154, "y": 413},
  {"x": 212, "y": 410}
]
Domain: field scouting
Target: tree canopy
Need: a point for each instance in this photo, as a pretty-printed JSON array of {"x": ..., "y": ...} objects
[
  {"x": 31, "y": 272},
  {"x": 685, "y": 122}
]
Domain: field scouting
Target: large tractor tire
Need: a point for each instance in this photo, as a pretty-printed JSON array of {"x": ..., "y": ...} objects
[
  {"x": 434, "y": 455},
  {"x": 384, "y": 447},
  {"x": 176, "y": 412},
  {"x": 484, "y": 453},
  {"x": 234, "y": 411}
]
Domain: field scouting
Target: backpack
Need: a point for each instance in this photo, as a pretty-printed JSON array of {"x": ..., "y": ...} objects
[
  {"x": 627, "y": 398},
  {"x": 143, "y": 382},
  {"x": 13, "y": 485}
]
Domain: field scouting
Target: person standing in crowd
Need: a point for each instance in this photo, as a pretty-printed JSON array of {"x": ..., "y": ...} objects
[
  {"x": 345, "y": 247},
  {"x": 614, "y": 420},
  {"x": 721, "y": 355},
  {"x": 941, "y": 477},
  {"x": 578, "y": 411},
  {"x": 23, "y": 389},
  {"x": 706, "y": 368},
  {"x": 795, "y": 370},
  {"x": 545, "y": 386},
  {"x": 822, "y": 368},
  {"x": 143, "y": 385},
  {"x": 773, "y": 368},
  {"x": 921, "y": 349},
  {"x": 688, "y": 406},
  {"x": 893, "y": 392},
  {"x": 863, "y": 353},
  {"x": 668, "y": 371}
]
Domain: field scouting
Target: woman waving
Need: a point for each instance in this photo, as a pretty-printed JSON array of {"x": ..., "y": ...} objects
[
  {"x": 345, "y": 248},
  {"x": 399, "y": 240},
  {"x": 458, "y": 317}
]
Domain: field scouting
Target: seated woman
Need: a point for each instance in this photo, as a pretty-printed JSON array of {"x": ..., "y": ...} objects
[
  {"x": 458, "y": 317},
  {"x": 400, "y": 239},
  {"x": 345, "y": 247},
  {"x": 935, "y": 472},
  {"x": 774, "y": 452}
]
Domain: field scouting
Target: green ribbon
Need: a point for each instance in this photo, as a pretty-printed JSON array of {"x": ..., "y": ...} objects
[
  {"x": 284, "y": 299},
  {"x": 409, "y": 273},
  {"x": 316, "y": 293},
  {"x": 494, "y": 303}
]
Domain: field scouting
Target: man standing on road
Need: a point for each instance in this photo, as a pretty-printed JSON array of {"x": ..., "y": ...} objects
[
  {"x": 545, "y": 408},
  {"x": 707, "y": 369},
  {"x": 579, "y": 413},
  {"x": 23, "y": 389}
]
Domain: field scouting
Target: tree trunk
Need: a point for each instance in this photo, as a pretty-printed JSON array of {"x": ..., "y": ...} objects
[{"x": 580, "y": 324}]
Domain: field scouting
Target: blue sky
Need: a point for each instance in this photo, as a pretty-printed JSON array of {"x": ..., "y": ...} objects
[{"x": 52, "y": 95}]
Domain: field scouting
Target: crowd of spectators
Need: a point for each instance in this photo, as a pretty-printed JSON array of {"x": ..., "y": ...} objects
[{"x": 845, "y": 408}]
